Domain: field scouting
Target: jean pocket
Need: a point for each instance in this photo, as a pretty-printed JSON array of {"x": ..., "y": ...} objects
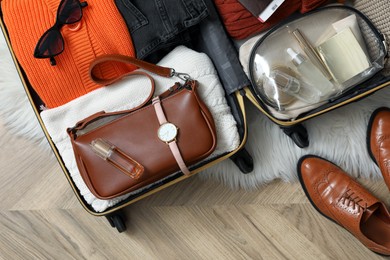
[
  {"x": 196, "y": 9},
  {"x": 133, "y": 16}
]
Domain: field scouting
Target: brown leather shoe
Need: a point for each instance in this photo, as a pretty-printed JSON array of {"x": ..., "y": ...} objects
[
  {"x": 378, "y": 141},
  {"x": 341, "y": 199}
]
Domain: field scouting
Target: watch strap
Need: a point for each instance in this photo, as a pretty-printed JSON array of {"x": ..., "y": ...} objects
[
  {"x": 173, "y": 144},
  {"x": 159, "y": 111},
  {"x": 179, "y": 159}
]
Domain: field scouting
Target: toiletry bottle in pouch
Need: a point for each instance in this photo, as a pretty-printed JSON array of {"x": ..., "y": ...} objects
[
  {"x": 311, "y": 74},
  {"x": 292, "y": 86}
]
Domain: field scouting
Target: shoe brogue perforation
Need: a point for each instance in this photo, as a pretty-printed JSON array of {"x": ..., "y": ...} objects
[
  {"x": 353, "y": 204},
  {"x": 323, "y": 180},
  {"x": 387, "y": 168},
  {"x": 380, "y": 140}
]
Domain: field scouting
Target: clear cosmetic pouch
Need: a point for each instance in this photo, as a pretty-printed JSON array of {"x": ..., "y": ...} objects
[{"x": 314, "y": 59}]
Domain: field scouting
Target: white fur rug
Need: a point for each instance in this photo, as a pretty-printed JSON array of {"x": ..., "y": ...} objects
[{"x": 339, "y": 136}]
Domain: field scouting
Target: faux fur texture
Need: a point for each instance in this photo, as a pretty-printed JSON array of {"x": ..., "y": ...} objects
[
  {"x": 15, "y": 109},
  {"x": 339, "y": 136}
]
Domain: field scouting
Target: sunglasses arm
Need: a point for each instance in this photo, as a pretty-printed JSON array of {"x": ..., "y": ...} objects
[{"x": 52, "y": 61}]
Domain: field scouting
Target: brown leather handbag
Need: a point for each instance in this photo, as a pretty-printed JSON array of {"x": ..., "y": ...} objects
[{"x": 121, "y": 152}]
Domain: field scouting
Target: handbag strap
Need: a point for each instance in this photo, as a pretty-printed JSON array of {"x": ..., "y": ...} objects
[
  {"x": 86, "y": 121},
  {"x": 159, "y": 70},
  {"x": 156, "y": 69}
]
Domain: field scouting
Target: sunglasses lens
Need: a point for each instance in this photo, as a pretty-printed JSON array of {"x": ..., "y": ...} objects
[
  {"x": 50, "y": 44},
  {"x": 69, "y": 11}
]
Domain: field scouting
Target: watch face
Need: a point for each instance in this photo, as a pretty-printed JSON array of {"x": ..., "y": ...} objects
[{"x": 167, "y": 132}]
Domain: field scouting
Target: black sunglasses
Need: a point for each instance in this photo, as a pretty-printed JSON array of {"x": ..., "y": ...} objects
[{"x": 51, "y": 42}]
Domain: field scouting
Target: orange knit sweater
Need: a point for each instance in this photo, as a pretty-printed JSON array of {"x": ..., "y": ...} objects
[{"x": 100, "y": 31}]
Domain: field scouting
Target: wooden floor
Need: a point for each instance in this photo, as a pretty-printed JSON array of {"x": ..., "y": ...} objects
[{"x": 40, "y": 218}]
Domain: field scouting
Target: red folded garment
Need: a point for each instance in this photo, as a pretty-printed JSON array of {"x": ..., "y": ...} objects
[{"x": 240, "y": 23}]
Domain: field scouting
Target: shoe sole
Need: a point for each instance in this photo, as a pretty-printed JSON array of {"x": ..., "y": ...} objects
[
  {"x": 311, "y": 201},
  {"x": 369, "y": 127}
]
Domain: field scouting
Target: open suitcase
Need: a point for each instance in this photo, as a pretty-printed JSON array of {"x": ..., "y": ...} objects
[
  {"x": 226, "y": 65},
  {"x": 236, "y": 85},
  {"x": 286, "y": 47}
]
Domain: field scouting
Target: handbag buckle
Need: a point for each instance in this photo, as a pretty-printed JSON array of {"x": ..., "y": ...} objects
[{"x": 180, "y": 75}]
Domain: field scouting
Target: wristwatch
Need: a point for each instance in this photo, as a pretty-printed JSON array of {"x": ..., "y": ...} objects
[{"x": 167, "y": 133}]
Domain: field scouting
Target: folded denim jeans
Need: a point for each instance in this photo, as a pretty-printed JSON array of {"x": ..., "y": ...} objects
[{"x": 160, "y": 24}]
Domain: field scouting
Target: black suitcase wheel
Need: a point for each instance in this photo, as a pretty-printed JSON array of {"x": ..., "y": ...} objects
[
  {"x": 117, "y": 221},
  {"x": 300, "y": 140},
  {"x": 298, "y": 134},
  {"x": 109, "y": 218},
  {"x": 243, "y": 160}
]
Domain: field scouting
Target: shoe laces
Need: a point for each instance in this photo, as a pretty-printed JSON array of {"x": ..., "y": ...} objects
[{"x": 349, "y": 199}]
